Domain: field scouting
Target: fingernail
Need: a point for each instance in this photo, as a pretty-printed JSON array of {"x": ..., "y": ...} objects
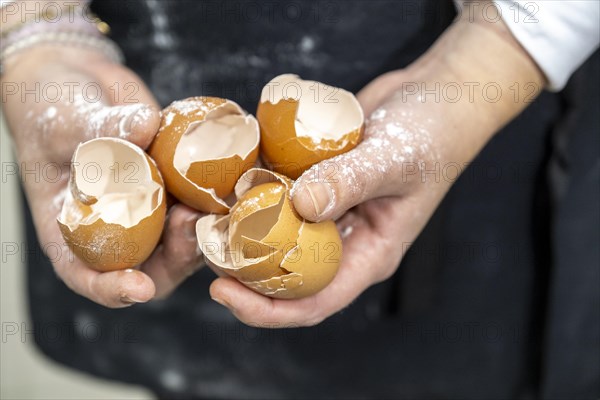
[
  {"x": 129, "y": 300},
  {"x": 139, "y": 114},
  {"x": 221, "y": 302},
  {"x": 126, "y": 125},
  {"x": 189, "y": 227},
  {"x": 321, "y": 197}
]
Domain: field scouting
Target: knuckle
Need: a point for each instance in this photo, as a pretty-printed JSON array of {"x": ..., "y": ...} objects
[{"x": 351, "y": 181}]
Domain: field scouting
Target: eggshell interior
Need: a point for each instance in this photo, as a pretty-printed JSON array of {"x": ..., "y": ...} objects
[
  {"x": 323, "y": 112},
  {"x": 305, "y": 122},
  {"x": 206, "y": 148},
  {"x": 117, "y": 175},
  {"x": 114, "y": 210},
  {"x": 203, "y": 145}
]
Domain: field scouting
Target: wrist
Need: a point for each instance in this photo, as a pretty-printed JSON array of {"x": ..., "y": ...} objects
[{"x": 477, "y": 78}]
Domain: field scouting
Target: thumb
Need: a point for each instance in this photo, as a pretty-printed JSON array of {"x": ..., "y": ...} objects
[
  {"x": 127, "y": 109},
  {"x": 330, "y": 188},
  {"x": 67, "y": 125},
  {"x": 135, "y": 113},
  {"x": 386, "y": 163},
  {"x": 130, "y": 111},
  {"x": 137, "y": 123}
]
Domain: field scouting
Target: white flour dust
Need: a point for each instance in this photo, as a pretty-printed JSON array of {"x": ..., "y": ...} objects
[
  {"x": 100, "y": 119},
  {"x": 392, "y": 139}
]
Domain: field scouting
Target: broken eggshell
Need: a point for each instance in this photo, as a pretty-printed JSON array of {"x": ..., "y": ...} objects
[
  {"x": 202, "y": 147},
  {"x": 266, "y": 245},
  {"x": 305, "y": 122},
  {"x": 114, "y": 209}
]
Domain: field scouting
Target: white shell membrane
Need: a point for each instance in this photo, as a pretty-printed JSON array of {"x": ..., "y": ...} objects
[
  {"x": 225, "y": 132},
  {"x": 324, "y": 112},
  {"x": 117, "y": 174}
]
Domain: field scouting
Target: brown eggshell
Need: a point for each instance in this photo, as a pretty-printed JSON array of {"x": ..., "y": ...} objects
[
  {"x": 254, "y": 229},
  {"x": 279, "y": 287},
  {"x": 137, "y": 191},
  {"x": 316, "y": 259},
  {"x": 310, "y": 266},
  {"x": 305, "y": 122},
  {"x": 258, "y": 176},
  {"x": 262, "y": 206},
  {"x": 257, "y": 198},
  {"x": 266, "y": 245},
  {"x": 250, "y": 234},
  {"x": 203, "y": 146},
  {"x": 211, "y": 231}
]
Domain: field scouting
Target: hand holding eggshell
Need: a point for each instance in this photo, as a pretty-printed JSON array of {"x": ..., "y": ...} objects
[
  {"x": 380, "y": 211},
  {"x": 203, "y": 146},
  {"x": 46, "y": 133},
  {"x": 266, "y": 245}
]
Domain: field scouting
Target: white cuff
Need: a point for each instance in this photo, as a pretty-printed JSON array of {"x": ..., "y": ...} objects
[{"x": 558, "y": 35}]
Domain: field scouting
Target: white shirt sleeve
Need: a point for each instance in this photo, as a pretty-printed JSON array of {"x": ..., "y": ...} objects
[{"x": 559, "y": 35}]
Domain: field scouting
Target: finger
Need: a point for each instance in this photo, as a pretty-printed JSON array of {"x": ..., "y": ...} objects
[
  {"x": 178, "y": 256},
  {"x": 257, "y": 310},
  {"x": 114, "y": 289},
  {"x": 328, "y": 189},
  {"x": 135, "y": 113},
  {"x": 261, "y": 311},
  {"x": 386, "y": 163},
  {"x": 137, "y": 123},
  {"x": 83, "y": 115},
  {"x": 74, "y": 123}
]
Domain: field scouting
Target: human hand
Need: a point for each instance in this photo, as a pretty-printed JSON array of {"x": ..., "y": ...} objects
[
  {"x": 383, "y": 192},
  {"x": 376, "y": 194},
  {"x": 76, "y": 95}
]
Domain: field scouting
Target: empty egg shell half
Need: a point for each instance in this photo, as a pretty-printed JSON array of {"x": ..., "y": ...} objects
[
  {"x": 305, "y": 122},
  {"x": 203, "y": 146},
  {"x": 114, "y": 209},
  {"x": 266, "y": 245}
]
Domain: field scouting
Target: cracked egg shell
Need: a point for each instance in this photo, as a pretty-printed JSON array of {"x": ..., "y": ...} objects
[
  {"x": 114, "y": 209},
  {"x": 203, "y": 146},
  {"x": 266, "y": 245},
  {"x": 305, "y": 122}
]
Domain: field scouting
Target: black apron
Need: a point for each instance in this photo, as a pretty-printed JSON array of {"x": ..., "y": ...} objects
[{"x": 498, "y": 298}]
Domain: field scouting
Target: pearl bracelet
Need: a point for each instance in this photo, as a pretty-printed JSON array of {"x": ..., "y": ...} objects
[
  {"x": 81, "y": 29},
  {"x": 104, "y": 45}
]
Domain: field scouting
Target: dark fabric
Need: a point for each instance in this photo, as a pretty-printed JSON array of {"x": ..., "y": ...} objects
[
  {"x": 571, "y": 349},
  {"x": 498, "y": 297}
]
